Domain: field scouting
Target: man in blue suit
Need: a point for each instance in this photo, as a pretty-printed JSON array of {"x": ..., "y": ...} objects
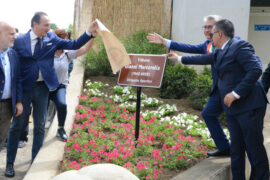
[
  {"x": 242, "y": 96},
  {"x": 213, "y": 107},
  {"x": 10, "y": 85},
  {"x": 36, "y": 51}
]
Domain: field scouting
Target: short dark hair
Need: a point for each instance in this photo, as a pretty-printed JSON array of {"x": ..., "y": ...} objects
[
  {"x": 36, "y": 18},
  {"x": 226, "y": 27}
]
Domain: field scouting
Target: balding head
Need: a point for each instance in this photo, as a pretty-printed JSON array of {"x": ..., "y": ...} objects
[{"x": 7, "y": 35}]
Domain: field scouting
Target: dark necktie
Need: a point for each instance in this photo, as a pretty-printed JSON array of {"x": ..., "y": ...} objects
[{"x": 37, "y": 48}]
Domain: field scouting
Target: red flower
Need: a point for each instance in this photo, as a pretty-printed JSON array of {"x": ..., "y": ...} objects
[{"x": 94, "y": 99}]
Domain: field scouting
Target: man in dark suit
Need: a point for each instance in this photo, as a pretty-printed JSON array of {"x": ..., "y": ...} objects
[
  {"x": 266, "y": 78},
  {"x": 242, "y": 96},
  {"x": 213, "y": 107},
  {"x": 10, "y": 85},
  {"x": 36, "y": 51}
]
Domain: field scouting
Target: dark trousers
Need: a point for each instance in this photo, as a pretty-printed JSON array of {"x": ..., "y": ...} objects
[
  {"x": 39, "y": 97},
  {"x": 59, "y": 98},
  {"x": 5, "y": 119},
  {"x": 210, "y": 113},
  {"x": 246, "y": 136}
]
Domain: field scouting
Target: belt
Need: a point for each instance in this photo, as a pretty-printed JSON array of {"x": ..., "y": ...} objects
[
  {"x": 39, "y": 83},
  {"x": 5, "y": 100}
]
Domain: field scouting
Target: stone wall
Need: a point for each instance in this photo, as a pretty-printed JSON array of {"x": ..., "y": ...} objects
[{"x": 124, "y": 17}]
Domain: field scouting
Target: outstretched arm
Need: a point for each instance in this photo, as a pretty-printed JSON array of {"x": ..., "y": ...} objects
[
  {"x": 196, "y": 60},
  {"x": 178, "y": 46},
  {"x": 85, "y": 48}
]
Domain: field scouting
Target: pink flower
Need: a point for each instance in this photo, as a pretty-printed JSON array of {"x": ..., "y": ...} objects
[
  {"x": 148, "y": 176},
  {"x": 76, "y": 146},
  {"x": 103, "y": 136},
  {"x": 94, "y": 99},
  {"x": 77, "y": 167},
  {"x": 165, "y": 147}
]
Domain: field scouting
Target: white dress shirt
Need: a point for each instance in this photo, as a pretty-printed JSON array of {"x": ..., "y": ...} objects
[{"x": 7, "y": 86}]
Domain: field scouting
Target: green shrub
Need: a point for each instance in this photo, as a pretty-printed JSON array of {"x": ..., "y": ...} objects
[
  {"x": 177, "y": 81},
  {"x": 97, "y": 63},
  {"x": 201, "y": 89},
  {"x": 138, "y": 44},
  {"x": 207, "y": 71}
]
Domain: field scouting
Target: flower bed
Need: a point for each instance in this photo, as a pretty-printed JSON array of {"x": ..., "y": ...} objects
[{"x": 104, "y": 128}]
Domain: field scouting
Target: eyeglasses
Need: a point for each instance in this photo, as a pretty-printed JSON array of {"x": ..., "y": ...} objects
[
  {"x": 212, "y": 34},
  {"x": 207, "y": 27}
]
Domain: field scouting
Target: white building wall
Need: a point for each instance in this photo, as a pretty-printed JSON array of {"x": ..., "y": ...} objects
[
  {"x": 260, "y": 39},
  {"x": 187, "y": 20}
]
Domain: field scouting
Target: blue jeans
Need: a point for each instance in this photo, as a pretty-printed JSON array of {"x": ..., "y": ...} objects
[
  {"x": 39, "y": 97},
  {"x": 59, "y": 98},
  {"x": 210, "y": 115}
]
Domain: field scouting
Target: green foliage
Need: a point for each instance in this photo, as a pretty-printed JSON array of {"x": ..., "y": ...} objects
[
  {"x": 138, "y": 44},
  {"x": 53, "y": 26},
  {"x": 201, "y": 89},
  {"x": 177, "y": 81},
  {"x": 207, "y": 71},
  {"x": 70, "y": 29},
  {"x": 97, "y": 63}
]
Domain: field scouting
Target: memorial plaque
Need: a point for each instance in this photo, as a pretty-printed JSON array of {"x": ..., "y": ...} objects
[{"x": 144, "y": 71}]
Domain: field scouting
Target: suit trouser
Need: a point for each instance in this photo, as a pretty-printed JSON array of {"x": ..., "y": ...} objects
[
  {"x": 39, "y": 97},
  {"x": 246, "y": 135},
  {"x": 210, "y": 113},
  {"x": 5, "y": 119}
]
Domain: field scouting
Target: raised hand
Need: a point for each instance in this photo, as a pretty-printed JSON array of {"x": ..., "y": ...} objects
[
  {"x": 93, "y": 28},
  {"x": 156, "y": 38}
]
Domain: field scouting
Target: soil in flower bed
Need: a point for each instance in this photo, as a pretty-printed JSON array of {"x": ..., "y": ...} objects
[{"x": 75, "y": 146}]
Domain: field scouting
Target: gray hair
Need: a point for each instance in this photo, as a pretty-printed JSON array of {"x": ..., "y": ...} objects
[{"x": 212, "y": 17}]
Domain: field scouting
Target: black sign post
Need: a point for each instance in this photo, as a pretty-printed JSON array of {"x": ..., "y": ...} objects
[
  {"x": 138, "y": 109},
  {"x": 144, "y": 71}
]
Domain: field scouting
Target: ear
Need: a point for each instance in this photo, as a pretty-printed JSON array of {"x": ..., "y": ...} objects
[
  {"x": 34, "y": 24},
  {"x": 220, "y": 34}
]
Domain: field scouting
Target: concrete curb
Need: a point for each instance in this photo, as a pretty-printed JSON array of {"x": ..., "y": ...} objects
[{"x": 47, "y": 162}]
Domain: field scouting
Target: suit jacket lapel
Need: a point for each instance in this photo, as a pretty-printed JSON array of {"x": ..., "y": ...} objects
[
  {"x": 2, "y": 68},
  {"x": 10, "y": 57},
  {"x": 27, "y": 40},
  {"x": 221, "y": 53}
]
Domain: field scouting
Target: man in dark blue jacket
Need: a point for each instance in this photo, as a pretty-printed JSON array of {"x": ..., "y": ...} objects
[
  {"x": 213, "y": 108},
  {"x": 242, "y": 96},
  {"x": 36, "y": 51},
  {"x": 10, "y": 85}
]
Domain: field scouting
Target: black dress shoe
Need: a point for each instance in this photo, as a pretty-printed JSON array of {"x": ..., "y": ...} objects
[
  {"x": 9, "y": 170},
  {"x": 219, "y": 153},
  {"x": 61, "y": 134}
]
